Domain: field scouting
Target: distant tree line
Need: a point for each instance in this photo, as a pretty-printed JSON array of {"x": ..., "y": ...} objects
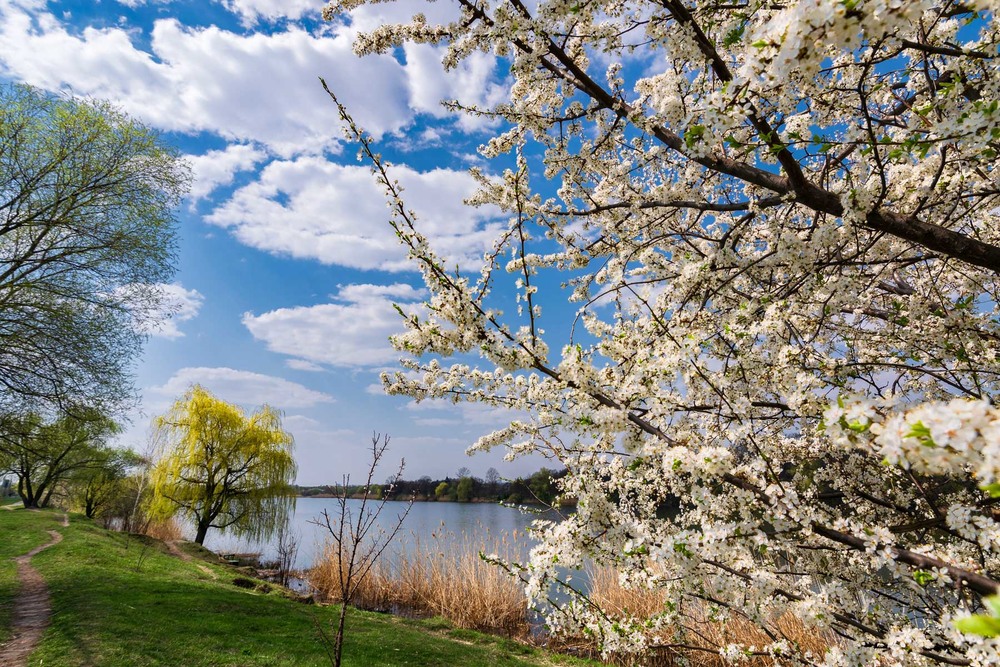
[{"x": 539, "y": 488}]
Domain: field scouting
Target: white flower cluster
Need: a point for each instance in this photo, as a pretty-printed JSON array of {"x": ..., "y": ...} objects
[
  {"x": 755, "y": 211},
  {"x": 958, "y": 437}
]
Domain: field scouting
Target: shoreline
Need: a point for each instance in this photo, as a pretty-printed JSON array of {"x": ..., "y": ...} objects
[{"x": 568, "y": 502}]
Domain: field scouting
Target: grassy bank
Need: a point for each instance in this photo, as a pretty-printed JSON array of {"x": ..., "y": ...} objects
[{"x": 127, "y": 601}]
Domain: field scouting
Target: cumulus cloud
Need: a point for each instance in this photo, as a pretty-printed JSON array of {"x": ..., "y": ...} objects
[
  {"x": 180, "y": 305},
  {"x": 311, "y": 208},
  {"x": 369, "y": 17},
  {"x": 235, "y": 85},
  {"x": 473, "y": 83},
  {"x": 159, "y": 308},
  {"x": 251, "y": 11},
  {"x": 242, "y": 387},
  {"x": 209, "y": 79},
  {"x": 353, "y": 333},
  {"x": 217, "y": 168}
]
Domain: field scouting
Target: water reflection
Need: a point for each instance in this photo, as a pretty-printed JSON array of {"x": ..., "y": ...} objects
[{"x": 468, "y": 521}]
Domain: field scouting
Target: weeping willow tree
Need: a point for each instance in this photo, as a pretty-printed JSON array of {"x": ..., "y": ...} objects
[{"x": 223, "y": 468}]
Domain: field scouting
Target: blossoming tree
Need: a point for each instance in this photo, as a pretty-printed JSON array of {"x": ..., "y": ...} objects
[{"x": 779, "y": 222}]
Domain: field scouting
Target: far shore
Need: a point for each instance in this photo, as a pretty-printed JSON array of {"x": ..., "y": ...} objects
[{"x": 568, "y": 502}]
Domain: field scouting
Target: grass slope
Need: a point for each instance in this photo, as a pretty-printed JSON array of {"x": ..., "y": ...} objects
[{"x": 126, "y": 601}]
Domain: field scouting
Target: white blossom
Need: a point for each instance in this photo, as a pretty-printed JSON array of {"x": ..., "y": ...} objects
[{"x": 777, "y": 226}]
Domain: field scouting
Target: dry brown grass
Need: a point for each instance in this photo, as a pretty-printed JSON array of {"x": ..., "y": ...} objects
[
  {"x": 445, "y": 577},
  {"x": 373, "y": 590},
  {"x": 167, "y": 529},
  {"x": 701, "y": 636}
]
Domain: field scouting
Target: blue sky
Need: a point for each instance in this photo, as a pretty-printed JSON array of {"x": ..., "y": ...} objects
[{"x": 287, "y": 269}]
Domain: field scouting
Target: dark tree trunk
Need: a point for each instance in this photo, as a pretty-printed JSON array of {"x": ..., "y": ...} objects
[
  {"x": 338, "y": 639},
  {"x": 28, "y": 497},
  {"x": 199, "y": 538}
]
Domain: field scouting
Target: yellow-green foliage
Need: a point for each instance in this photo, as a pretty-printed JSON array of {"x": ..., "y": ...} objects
[{"x": 222, "y": 467}]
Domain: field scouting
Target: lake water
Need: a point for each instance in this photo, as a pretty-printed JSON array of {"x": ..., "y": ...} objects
[{"x": 429, "y": 525}]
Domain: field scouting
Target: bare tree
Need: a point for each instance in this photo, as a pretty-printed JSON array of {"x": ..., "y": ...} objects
[
  {"x": 288, "y": 548},
  {"x": 492, "y": 481},
  {"x": 357, "y": 535}
]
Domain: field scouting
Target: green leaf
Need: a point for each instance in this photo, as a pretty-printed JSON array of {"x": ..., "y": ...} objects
[
  {"x": 859, "y": 427},
  {"x": 693, "y": 135},
  {"x": 921, "y": 433},
  {"x": 980, "y": 624},
  {"x": 734, "y": 36},
  {"x": 992, "y": 490},
  {"x": 993, "y": 602}
]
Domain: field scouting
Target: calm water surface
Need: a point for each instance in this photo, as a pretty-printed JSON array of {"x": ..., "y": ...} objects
[{"x": 429, "y": 525}]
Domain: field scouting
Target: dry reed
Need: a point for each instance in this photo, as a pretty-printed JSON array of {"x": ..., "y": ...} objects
[
  {"x": 445, "y": 577},
  {"x": 698, "y": 640},
  {"x": 165, "y": 530}
]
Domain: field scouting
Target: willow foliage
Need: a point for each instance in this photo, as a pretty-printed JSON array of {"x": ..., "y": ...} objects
[{"x": 222, "y": 467}]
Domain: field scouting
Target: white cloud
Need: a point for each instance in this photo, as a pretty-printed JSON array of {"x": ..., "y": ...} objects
[
  {"x": 302, "y": 422},
  {"x": 303, "y": 365},
  {"x": 478, "y": 414},
  {"x": 179, "y": 305},
  {"x": 236, "y": 84},
  {"x": 364, "y": 292},
  {"x": 217, "y": 168},
  {"x": 159, "y": 307},
  {"x": 472, "y": 83},
  {"x": 242, "y": 387},
  {"x": 311, "y": 208},
  {"x": 351, "y": 334},
  {"x": 138, "y": 3},
  {"x": 250, "y": 11},
  {"x": 437, "y": 421},
  {"x": 252, "y": 87}
]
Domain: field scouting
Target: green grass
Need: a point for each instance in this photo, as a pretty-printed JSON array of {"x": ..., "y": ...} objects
[{"x": 126, "y": 601}]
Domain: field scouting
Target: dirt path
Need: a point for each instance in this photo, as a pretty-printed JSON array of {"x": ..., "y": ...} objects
[
  {"x": 32, "y": 609},
  {"x": 176, "y": 551}
]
